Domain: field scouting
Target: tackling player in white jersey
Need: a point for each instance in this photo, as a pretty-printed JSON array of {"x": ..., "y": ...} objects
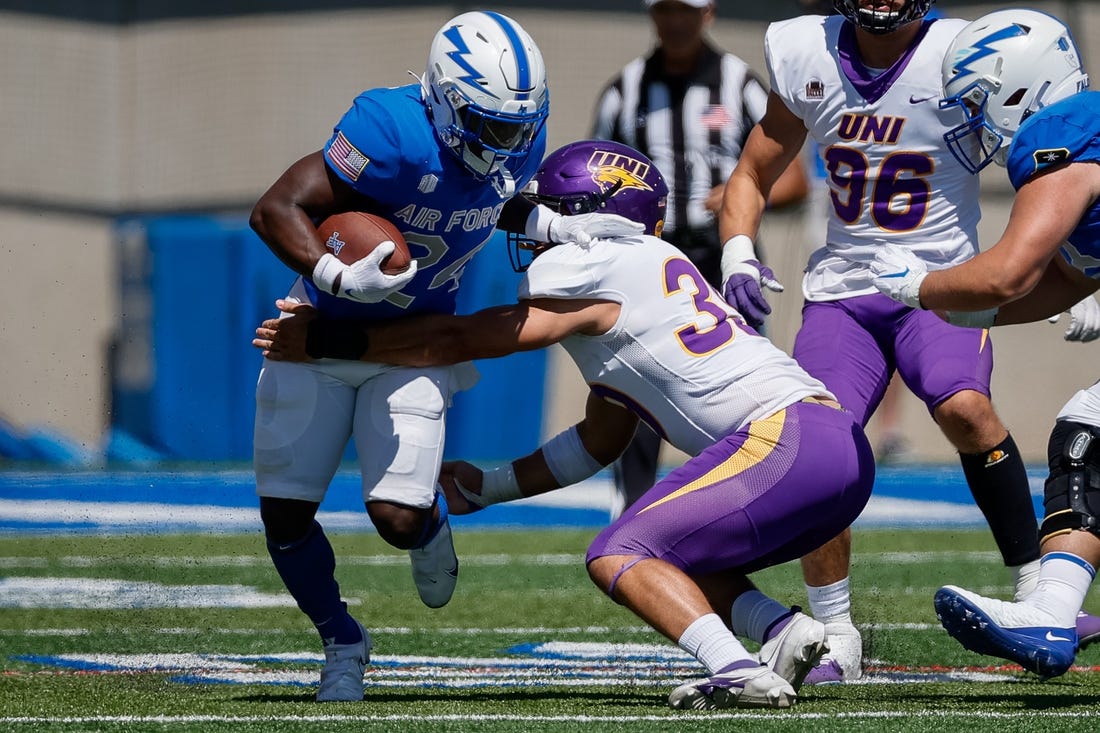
[
  {"x": 777, "y": 467},
  {"x": 864, "y": 85}
]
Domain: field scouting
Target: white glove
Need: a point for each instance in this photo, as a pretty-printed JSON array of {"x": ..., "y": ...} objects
[
  {"x": 363, "y": 280},
  {"x": 1084, "y": 321},
  {"x": 544, "y": 225},
  {"x": 898, "y": 273}
]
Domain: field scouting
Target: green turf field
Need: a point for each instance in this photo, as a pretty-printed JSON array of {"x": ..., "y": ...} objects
[{"x": 193, "y": 633}]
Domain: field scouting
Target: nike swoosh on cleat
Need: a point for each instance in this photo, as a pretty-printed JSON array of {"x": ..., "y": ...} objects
[
  {"x": 1052, "y": 637},
  {"x": 903, "y": 273}
]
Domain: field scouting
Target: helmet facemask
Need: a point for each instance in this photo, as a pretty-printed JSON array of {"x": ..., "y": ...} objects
[
  {"x": 880, "y": 22},
  {"x": 1000, "y": 70},
  {"x": 594, "y": 176}
]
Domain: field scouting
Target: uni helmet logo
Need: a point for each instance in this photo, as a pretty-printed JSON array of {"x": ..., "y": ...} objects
[
  {"x": 611, "y": 168},
  {"x": 335, "y": 243}
]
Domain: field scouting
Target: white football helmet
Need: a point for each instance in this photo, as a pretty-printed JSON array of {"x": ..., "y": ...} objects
[
  {"x": 485, "y": 90},
  {"x": 1001, "y": 69}
]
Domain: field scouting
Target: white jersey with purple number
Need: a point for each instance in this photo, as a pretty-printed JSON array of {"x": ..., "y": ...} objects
[
  {"x": 880, "y": 135},
  {"x": 678, "y": 356}
]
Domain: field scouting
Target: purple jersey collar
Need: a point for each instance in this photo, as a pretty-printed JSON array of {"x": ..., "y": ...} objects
[{"x": 871, "y": 87}]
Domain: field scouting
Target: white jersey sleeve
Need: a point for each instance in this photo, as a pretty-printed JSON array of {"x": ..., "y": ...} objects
[
  {"x": 1083, "y": 407},
  {"x": 677, "y": 356},
  {"x": 880, "y": 136}
]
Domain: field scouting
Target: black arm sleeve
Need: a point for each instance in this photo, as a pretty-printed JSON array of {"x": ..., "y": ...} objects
[
  {"x": 513, "y": 217},
  {"x": 336, "y": 339}
]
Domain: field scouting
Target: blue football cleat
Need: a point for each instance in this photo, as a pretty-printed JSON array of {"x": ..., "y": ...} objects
[{"x": 1014, "y": 631}]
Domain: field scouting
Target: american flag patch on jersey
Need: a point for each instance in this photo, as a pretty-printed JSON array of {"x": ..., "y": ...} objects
[
  {"x": 715, "y": 117},
  {"x": 346, "y": 157}
]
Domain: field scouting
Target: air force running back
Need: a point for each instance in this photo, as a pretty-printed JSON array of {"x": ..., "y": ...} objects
[
  {"x": 881, "y": 137},
  {"x": 386, "y": 150}
]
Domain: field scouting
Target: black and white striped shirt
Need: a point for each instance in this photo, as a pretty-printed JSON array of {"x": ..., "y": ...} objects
[{"x": 692, "y": 127}]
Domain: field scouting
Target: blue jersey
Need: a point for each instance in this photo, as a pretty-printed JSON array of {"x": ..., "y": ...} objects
[
  {"x": 1065, "y": 132},
  {"x": 386, "y": 148}
]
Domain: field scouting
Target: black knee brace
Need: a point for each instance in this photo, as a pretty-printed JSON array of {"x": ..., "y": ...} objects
[{"x": 1071, "y": 497}]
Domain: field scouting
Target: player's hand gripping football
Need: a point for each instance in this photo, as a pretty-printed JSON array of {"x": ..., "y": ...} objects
[
  {"x": 583, "y": 228},
  {"x": 1084, "y": 321},
  {"x": 898, "y": 273},
  {"x": 743, "y": 280},
  {"x": 285, "y": 338},
  {"x": 363, "y": 280}
]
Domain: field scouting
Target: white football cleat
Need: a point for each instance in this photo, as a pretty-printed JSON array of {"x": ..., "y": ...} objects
[
  {"x": 844, "y": 660},
  {"x": 745, "y": 687},
  {"x": 796, "y": 648},
  {"x": 345, "y": 665},
  {"x": 435, "y": 565}
]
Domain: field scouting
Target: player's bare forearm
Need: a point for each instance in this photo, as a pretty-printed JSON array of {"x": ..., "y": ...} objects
[
  {"x": 770, "y": 151},
  {"x": 284, "y": 215},
  {"x": 742, "y": 206},
  {"x": 1057, "y": 291},
  {"x": 493, "y": 332},
  {"x": 977, "y": 284},
  {"x": 1024, "y": 259},
  {"x": 437, "y": 340}
]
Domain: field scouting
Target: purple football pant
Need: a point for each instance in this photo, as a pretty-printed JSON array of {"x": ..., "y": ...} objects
[
  {"x": 769, "y": 493},
  {"x": 854, "y": 345}
]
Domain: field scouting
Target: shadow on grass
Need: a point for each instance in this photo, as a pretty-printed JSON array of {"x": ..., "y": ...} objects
[{"x": 625, "y": 698}]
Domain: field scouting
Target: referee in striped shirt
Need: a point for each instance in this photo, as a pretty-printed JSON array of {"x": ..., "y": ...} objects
[{"x": 689, "y": 106}]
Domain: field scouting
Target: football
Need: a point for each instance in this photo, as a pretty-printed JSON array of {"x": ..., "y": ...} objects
[{"x": 352, "y": 235}]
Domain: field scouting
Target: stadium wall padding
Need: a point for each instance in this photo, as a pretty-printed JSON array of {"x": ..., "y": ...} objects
[{"x": 184, "y": 370}]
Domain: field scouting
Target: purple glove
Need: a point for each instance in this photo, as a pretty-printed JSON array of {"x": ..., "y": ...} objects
[{"x": 742, "y": 290}]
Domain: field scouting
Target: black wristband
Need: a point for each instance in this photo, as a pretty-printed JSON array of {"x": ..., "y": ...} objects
[{"x": 335, "y": 339}]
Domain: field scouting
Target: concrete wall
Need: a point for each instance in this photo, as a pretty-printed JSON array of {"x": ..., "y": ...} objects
[{"x": 204, "y": 114}]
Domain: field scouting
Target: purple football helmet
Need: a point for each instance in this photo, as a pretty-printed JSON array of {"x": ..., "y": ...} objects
[
  {"x": 876, "y": 21},
  {"x": 596, "y": 175}
]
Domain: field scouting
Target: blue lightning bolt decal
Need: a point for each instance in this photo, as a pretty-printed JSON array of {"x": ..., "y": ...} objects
[
  {"x": 473, "y": 77},
  {"x": 983, "y": 47}
]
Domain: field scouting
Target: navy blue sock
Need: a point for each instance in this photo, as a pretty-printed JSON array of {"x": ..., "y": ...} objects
[
  {"x": 432, "y": 527},
  {"x": 308, "y": 570}
]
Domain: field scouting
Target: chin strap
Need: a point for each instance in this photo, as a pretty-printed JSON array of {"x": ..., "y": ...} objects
[{"x": 503, "y": 182}]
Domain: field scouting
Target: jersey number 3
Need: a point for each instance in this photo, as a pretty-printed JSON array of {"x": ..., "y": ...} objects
[{"x": 696, "y": 340}]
